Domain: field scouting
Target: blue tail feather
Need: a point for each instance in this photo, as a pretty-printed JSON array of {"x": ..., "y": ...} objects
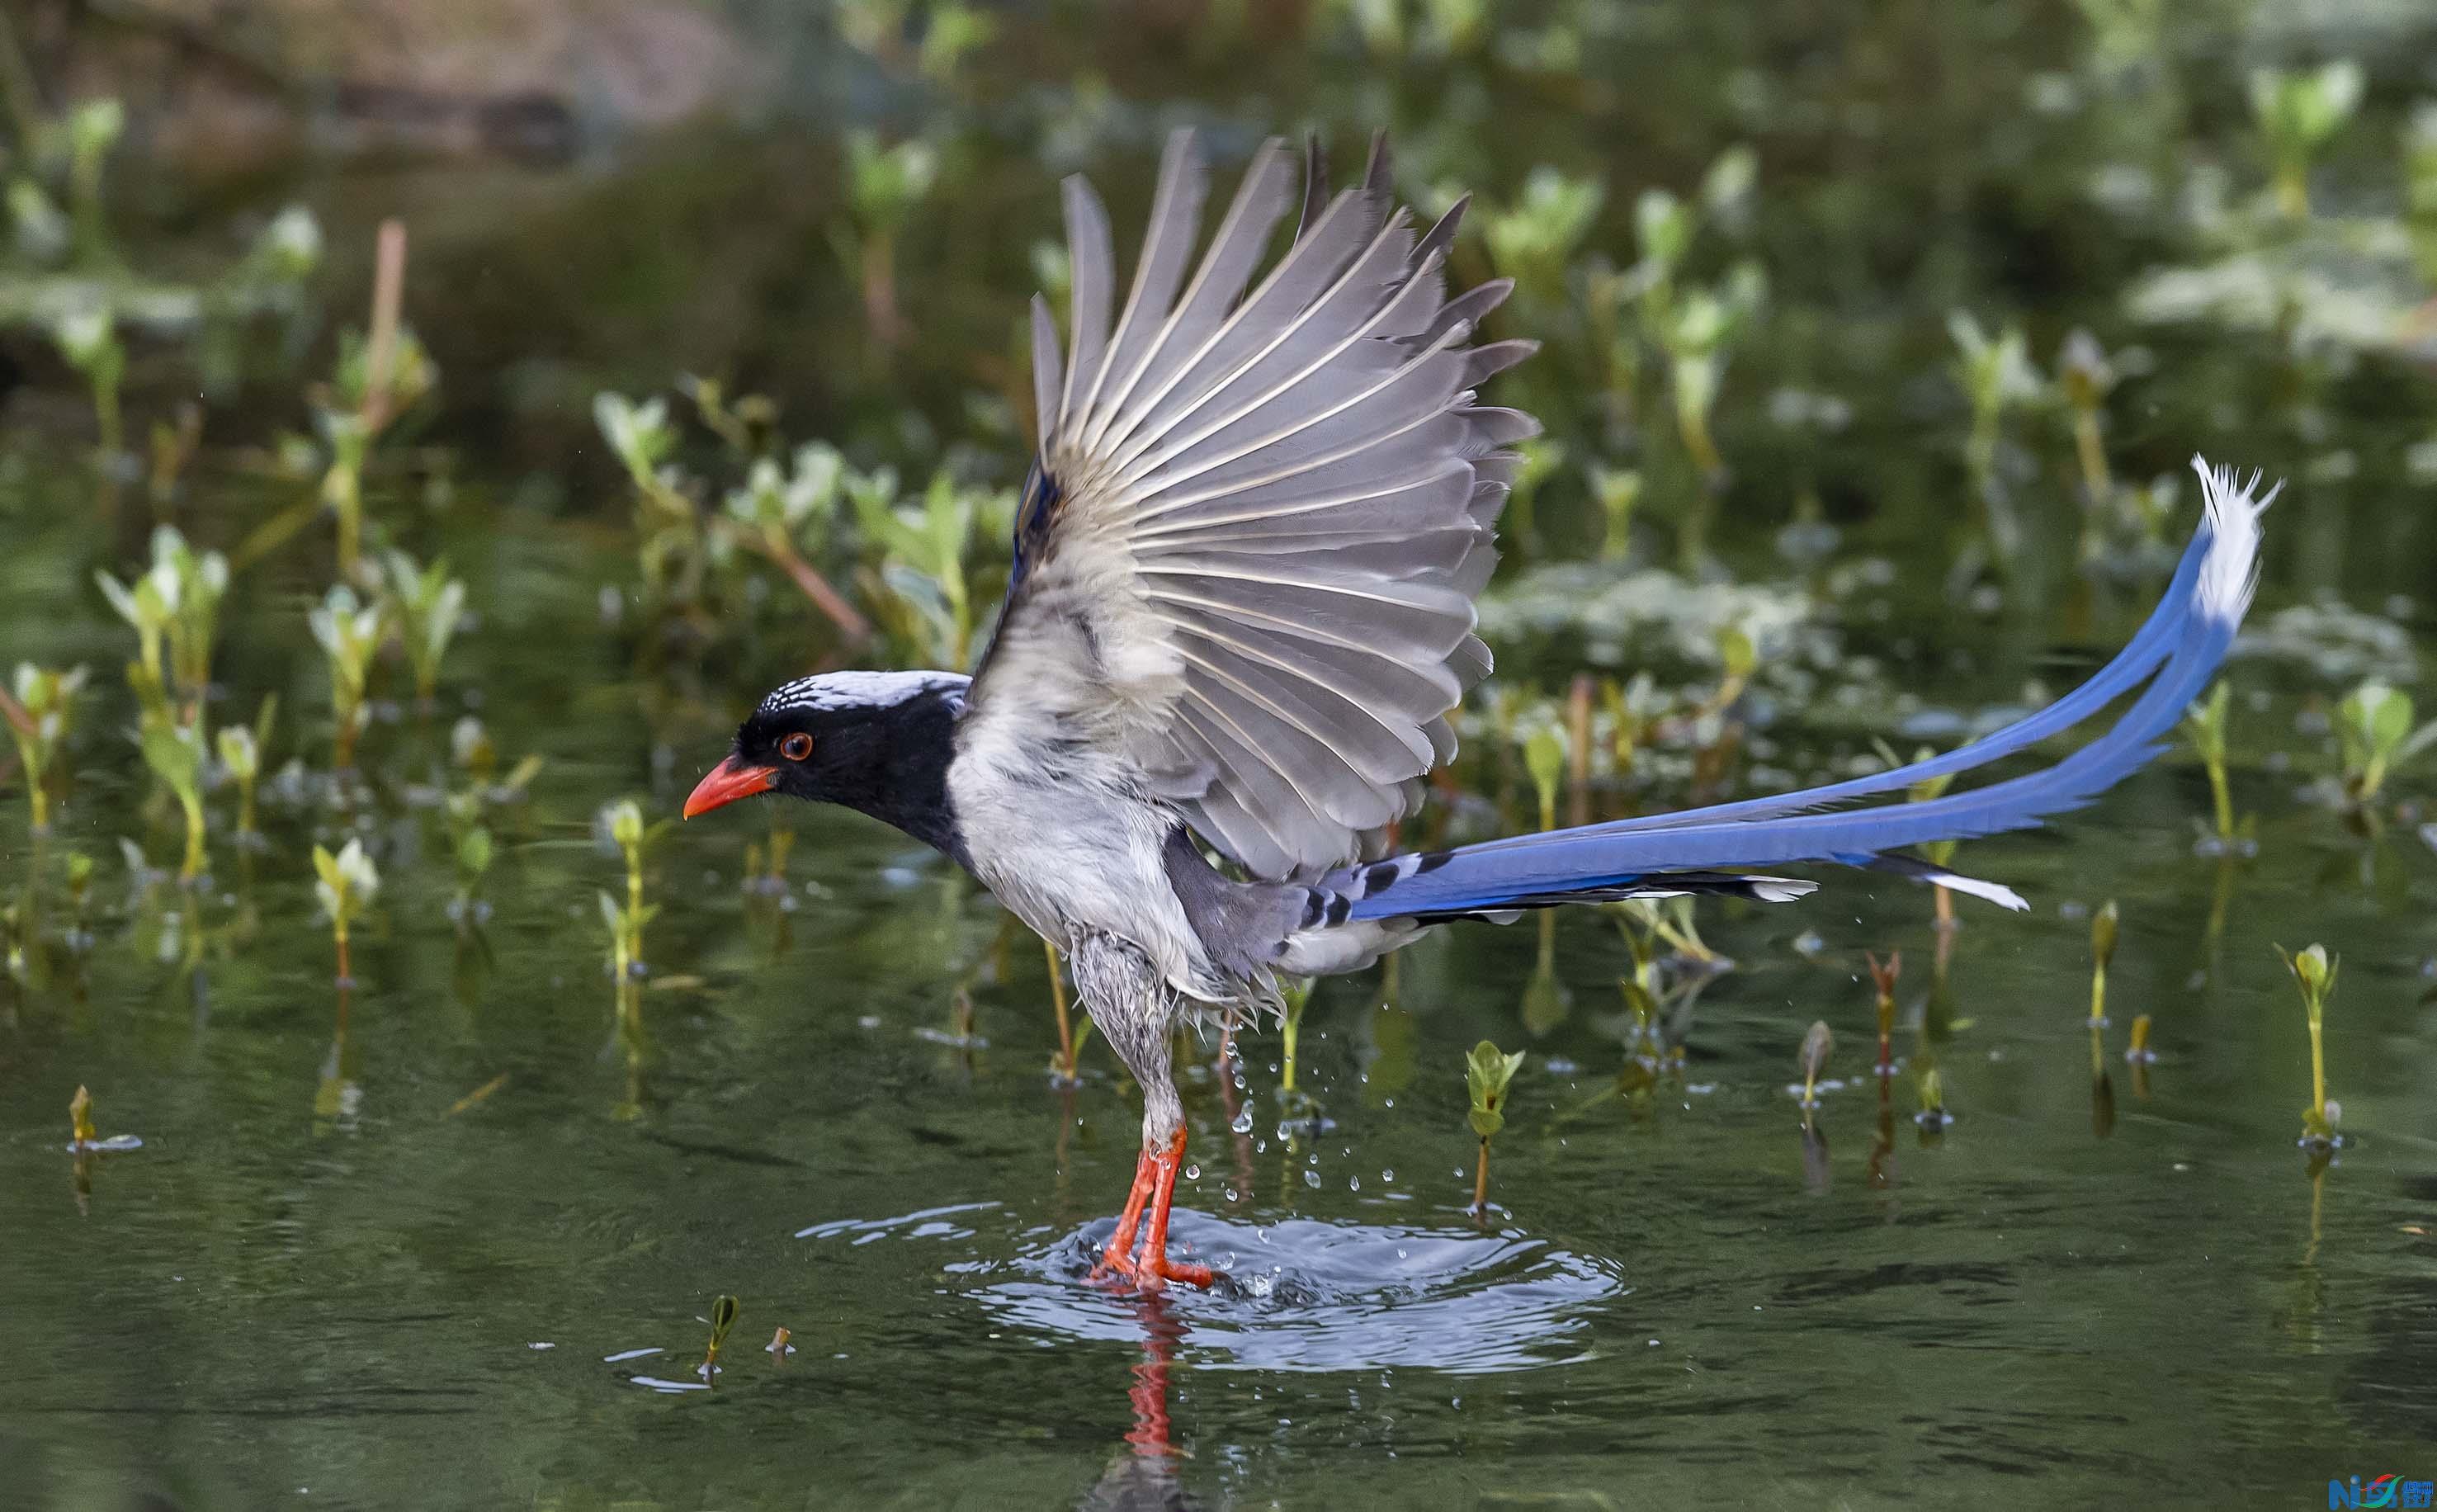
[{"x": 2177, "y": 651}]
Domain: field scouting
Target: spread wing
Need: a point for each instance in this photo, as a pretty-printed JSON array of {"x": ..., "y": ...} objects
[{"x": 1247, "y": 555}]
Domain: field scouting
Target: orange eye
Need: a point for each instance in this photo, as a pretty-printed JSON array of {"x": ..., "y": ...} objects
[{"x": 797, "y": 747}]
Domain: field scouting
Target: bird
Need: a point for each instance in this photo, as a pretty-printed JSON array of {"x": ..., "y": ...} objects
[{"x": 1241, "y": 610}]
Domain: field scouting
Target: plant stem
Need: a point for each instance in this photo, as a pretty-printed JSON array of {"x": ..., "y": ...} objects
[
  {"x": 338, "y": 933},
  {"x": 194, "y": 864},
  {"x": 2222, "y": 796},
  {"x": 1065, "y": 1063},
  {"x": 1481, "y": 1181},
  {"x": 2318, "y": 1065}
]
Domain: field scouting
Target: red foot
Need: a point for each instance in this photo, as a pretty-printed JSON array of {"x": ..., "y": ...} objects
[{"x": 1154, "y": 1184}]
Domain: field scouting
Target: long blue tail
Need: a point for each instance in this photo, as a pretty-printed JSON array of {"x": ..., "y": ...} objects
[{"x": 2176, "y": 652}]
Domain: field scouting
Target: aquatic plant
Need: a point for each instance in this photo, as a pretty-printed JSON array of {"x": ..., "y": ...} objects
[
  {"x": 1295, "y": 996},
  {"x": 2138, "y": 1053},
  {"x": 1706, "y": 323},
  {"x": 919, "y": 589},
  {"x": 175, "y": 754},
  {"x": 430, "y": 607},
  {"x": 1884, "y": 976},
  {"x": 2102, "y": 951},
  {"x": 1617, "y": 490},
  {"x": 789, "y": 515},
  {"x": 723, "y": 1319},
  {"x": 2314, "y": 972},
  {"x": 1487, "y": 1073},
  {"x": 471, "y": 850},
  {"x": 88, "y": 340},
  {"x": 2204, "y": 726},
  {"x": 1817, "y": 1043},
  {"x": 2085, "y": 378},
  {"x": 1533, "y": 239},
  {"x": 349, "y": 634},
  {"x": 1933, "y": 1116},
  {"x": 668, "y": 528},
  {"x": 2373, "y": 736},
  {"x": 1065, "y": 1066},
  {"x": 240, "y": 752},
  {"x": 623, "y": 823},
  {"x": 175, "y": 603},
  {"x": 1996, "y": 376},
  {"x": 1937, "y": 853},
  {"x": 345, "y": 886},
  {"x": 2297, "y": 114},
  {"x": 40, "y": 715},
  {"x": 885, "y": 186},
  {"x": 380, "y": 375},
  {"x": 1544, "y": 757}
]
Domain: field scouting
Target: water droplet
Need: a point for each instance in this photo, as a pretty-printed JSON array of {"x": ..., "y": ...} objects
[
  {"x": 1311, "y": 1178},
  {"x": 1354, "y": 1183},
  {"x": 1243, "y": 1122},
  {"x": 1235, "y": 1196},
  {"x": 1389, "y": 1177},
  {"x": 1192, "y": 1173}
]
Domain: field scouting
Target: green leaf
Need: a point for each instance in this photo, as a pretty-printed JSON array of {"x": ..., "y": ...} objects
[{"x": 1487, "y": 1071}]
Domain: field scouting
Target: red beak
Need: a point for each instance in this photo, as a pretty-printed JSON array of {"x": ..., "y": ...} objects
[{"x": 727, "y": 783}]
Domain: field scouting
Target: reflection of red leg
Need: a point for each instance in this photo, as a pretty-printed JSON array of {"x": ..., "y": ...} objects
[
  {"x": 1155, "y": 1267},
  {"x": 1119, "y": 1256},
  {"x": 1148, "y": 1393}
]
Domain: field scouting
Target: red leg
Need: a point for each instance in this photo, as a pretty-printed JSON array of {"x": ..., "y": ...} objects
[
  {"x": 1119, "y": 1256},
  {"x": 1155, "y": 1267}
]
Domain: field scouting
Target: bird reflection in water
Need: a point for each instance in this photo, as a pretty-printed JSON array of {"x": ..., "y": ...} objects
[{"x": 1143, "y": 1473}]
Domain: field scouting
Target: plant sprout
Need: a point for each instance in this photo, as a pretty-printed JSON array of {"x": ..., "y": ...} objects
[
  {"x": 240, "y": 751},
  {"x": 1544, "y": 756},
  {"x": 1817, "y": 1043},
  {"x": 175, "y": 753},
  {"x": 1065, "y": 1067},
  {"x": 788, "y": 515},
  {"x": 1617, "y": 489},
  {"x": 2374, "y": 734},
  {"x": 349, "y": 634},
  {"x": 1884, "y": 976},
  {"x": 1933, "y": 1116},
  {"x": 346, "y": 885},
  {"x": 2298, "y": 113},
  {"x": 2102, "y": 951},
  {"x": 1487, "y": 1072},
  {"x": 379, "y": 376},
  {"x": 1533, "y": 239},
  {"x": 885, "y": 186},
  {"x": 431, "y": 609},
  {"x": 2315, "y": 973},
  {"x": 924, "y": 593},
  {"x": 88, "y": 339},
  {"x": 723, "y": 1319},
  {"x": 39, "y": 713},
  {"x": 2083, "y": 374},
  {"x": 1997, "y": 376},
  {"x": 623, "y": 823},
  {"x": 2204, "y": 723}
]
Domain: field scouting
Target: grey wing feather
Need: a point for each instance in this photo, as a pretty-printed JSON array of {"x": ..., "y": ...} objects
[{"x": 1272, "y": 511}]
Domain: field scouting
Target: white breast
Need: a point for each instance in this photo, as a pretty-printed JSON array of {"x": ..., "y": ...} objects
[{"x": 1065, "y": 837}]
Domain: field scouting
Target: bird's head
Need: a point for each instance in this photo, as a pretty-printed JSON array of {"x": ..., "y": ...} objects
[{"x": 878, "y": 742}]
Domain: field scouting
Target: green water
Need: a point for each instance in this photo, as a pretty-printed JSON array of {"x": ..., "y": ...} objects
[{"x": 448, "y": 1240}]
